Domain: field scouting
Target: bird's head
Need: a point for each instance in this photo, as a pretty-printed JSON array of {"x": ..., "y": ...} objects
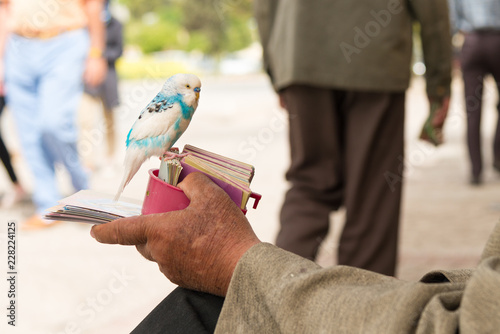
[{"x": 188, "y": 85}]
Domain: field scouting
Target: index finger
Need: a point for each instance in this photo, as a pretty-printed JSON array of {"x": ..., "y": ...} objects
[{"x": 125, "y": 231}]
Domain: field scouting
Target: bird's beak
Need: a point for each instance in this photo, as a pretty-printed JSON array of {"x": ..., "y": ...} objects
[{"x": 197, "y": 92}]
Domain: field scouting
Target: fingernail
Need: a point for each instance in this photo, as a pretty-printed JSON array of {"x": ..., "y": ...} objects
[{"x": 92, "y": 232}]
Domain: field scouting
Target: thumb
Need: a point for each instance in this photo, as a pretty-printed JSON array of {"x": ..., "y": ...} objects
[
  {"x": 198, "y": 186},
  {"x": 126, "y": 231}
]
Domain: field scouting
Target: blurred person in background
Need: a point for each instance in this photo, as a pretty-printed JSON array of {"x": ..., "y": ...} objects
[
  {"x": 17, "y": 193},
  {"x": 46, "y": 53},
  {"x": 479, "y": 21},
  {"x": 106, "y": 94},
  {"x": 341, "y": 69}
]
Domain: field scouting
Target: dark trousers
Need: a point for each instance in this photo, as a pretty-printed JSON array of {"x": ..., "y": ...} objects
[
  {"x": 4, "y": 154},
  {"x": 183, "y": 312},
  {"x": 480, "y": 56},
  {"x": 346, "y": 150}
]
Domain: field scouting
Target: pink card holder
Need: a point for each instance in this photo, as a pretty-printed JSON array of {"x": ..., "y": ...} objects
[{"x": 163, "y": 197}]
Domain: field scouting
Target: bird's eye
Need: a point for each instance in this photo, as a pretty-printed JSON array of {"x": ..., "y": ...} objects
[{"x": 187, "y": 86}]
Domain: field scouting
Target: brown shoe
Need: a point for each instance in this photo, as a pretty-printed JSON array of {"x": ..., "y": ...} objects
[{"x": 35, "y": 222}]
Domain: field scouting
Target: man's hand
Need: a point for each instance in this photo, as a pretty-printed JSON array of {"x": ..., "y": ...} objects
[
  {"x": 96, "y": 67},
  {"x": 432, "y": 130},
  {"x": 196, "y": 248},
  {"x": 95, "y": 71},
  {"x": 441, "y": 112}
]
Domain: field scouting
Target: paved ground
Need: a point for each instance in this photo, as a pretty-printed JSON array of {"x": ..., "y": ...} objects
[{"x": 68, "y": 283}]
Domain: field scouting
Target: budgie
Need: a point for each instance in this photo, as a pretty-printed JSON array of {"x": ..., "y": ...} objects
[{"x": 161, "y": 123}]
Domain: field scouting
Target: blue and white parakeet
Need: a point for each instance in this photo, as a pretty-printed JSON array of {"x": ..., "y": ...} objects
[{"x": 161, "y": 123}]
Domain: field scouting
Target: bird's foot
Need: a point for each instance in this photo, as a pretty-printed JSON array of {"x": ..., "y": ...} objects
[{"x": 172, "y": 155}]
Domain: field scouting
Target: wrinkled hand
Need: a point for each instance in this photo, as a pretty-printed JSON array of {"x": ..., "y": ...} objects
[
  {"x": 95, "y": 71},
  {"x": 196, "y": 248}
]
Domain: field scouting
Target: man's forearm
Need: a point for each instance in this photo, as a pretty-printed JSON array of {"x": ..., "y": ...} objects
[
  {"x": 96, "y": 68},
  {"x": 275, "y": 291},
  {"x": 97, "y": 32}
]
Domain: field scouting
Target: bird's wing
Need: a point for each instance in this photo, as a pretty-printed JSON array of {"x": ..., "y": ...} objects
[{"x": 155, "y": 120}]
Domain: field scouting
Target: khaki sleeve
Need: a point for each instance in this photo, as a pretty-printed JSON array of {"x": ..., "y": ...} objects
[
  {"x": 480, "y": 308},
  {"x": 447, "y": 276},
  {"x": 433, "y": 16},
  {"x": 492, "y": 247},
  {"x": 274, "y": 291}
]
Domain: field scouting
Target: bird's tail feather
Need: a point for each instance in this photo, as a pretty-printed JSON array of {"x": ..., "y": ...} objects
[
  {"x": 133, "y": 161},
  {"x": 120, "y": 188}
]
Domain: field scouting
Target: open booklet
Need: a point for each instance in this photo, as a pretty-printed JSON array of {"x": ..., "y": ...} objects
[
  {"x": 87, "y": 206},
  {"x": 233, "y": 176}
]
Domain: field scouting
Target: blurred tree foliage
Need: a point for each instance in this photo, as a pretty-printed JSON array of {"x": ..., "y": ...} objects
[{"x": 210, "y": 26}]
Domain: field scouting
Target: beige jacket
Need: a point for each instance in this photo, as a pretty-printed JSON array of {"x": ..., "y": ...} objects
[{"x": 273, "y": 291}]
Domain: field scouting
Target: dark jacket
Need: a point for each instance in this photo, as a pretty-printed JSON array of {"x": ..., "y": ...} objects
[{"x": 354, "y": 45}]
